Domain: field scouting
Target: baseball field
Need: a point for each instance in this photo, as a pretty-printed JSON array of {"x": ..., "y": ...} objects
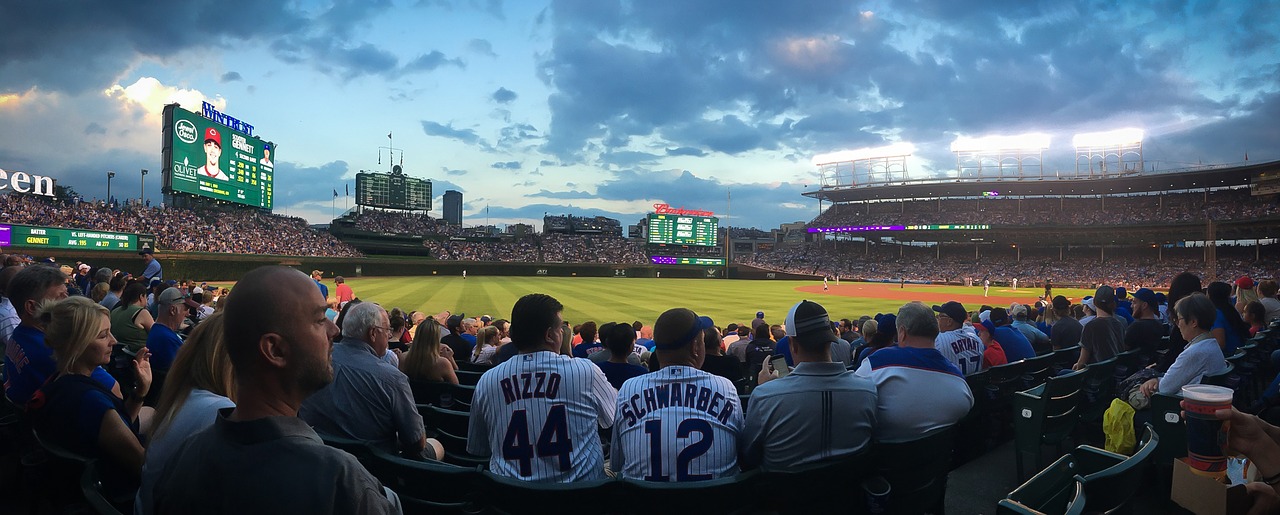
[{"x": 627, "y": 299}]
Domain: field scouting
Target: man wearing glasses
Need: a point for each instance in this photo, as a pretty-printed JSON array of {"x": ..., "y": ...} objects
[{"x": 369, "y": 399}]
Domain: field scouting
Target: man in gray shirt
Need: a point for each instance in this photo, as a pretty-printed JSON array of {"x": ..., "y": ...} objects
[
  {"x": 369, "y": 399},
  {"x": 259, "y": 457},
  {"x": 816, "y": 413}
]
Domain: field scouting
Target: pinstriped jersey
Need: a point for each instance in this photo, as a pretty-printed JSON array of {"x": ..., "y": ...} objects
[
  {"x": 537, "y": 417},
  {"x": 962, "y": 348},
  {"x": 675, "y": 425}
]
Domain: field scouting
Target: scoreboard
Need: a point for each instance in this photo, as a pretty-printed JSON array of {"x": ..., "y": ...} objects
[
  {"x": 393, "y": 190},
  {"x": 666, "y": 229},
  {"x": 675, "y": 260},
  {"x": 28, "y": 236}
]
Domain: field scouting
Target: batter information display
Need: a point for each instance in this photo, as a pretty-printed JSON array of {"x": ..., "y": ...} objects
[
  {"x": 212, "y": 160},
  {"x": 672, "y": 260},
  {"x": 60, "y": 238},
  {"x": 683, "y": 230}
]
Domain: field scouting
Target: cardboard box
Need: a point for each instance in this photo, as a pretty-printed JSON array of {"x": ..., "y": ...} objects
[{"x": 1205, "y": 495}]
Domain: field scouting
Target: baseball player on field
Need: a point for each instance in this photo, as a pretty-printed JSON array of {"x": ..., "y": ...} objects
[
  {"x": 679, "y": 423},
  {"x": 537, "y": 415}
]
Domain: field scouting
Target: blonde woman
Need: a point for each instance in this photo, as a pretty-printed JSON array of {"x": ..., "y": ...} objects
[
  {"x": 198, "y": 385},
  {"x": 77, "y": 412},
  {"x": 428, "y": 359},
  {"x": 99, "y": 292},
  {"x": 487, "y": 342}
]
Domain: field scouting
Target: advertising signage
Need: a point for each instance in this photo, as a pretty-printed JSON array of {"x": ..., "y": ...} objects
[
  {"x": 209, "y": 159},
  {"x": 28, "y": 236}
]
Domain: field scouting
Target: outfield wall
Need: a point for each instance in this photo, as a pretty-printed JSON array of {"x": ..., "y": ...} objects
[{"x": 223, "y": 267}]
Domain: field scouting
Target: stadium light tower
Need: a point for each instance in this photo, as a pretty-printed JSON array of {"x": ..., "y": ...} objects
[
  {"x": 864, "y": 166},
  {"x": 110, "y": 175},
  {"x": 142, "y": 193},
  {"x": 1113, "y": 152},
  {"x": 1011, "y": 156}
]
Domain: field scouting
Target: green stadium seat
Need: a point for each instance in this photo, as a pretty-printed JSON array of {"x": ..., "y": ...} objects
[
  {"x": 1166, "y": 421},
  {"x": 837, "y": 475},
  {"x": 473, "y": 367},
  {"x": 428, "y": 486},
  {"x": 506, "y": 495},
  {"x": 354, "y": 447},
  {"x": 468, "y": 378},
  {"x": 1099, "y": 389},
  {"x": 725, "y": 495},
  {"x": 1066, "y": 356},
  {"x": 450, "y": 421},
  {"x": 1109, "y": 490},
  {"x": 1036, "y": 370},
  {"x": 1074, "y": 506},
  {"x": 916, "y": 471},
  {"x": 1046, "y": 415},
  {"x": 91, "y": 488},
  {"x": 1052, "y": 489}
]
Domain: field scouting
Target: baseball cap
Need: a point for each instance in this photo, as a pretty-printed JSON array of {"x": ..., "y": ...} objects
[
  {"x": 1244, "y": 282},
  {"x": 486, "y": 319},
  {"x": 1061, "y": 302},
  {"x": 174, "y": 296},
  {"x": 759, "y": 314},
  {"x": 953, "y": 309},
  {"x": 1018, "y": 310},
  {"x": 887, "y": 322},
  {"x": 808, "y": 319},
  {"x": 454, "y": 321},
  {"x": 84, "y": 267},
  {"x": 1147, "y": 296},
  {"x": 1087, "y": 302},
  {"x": 677, "y": 327},
  {"x": 147, "y": 250},
  {"x": 317, "y": 272},
  {"x": 211, "y": 134},
  {"x": 999, "y": 316},
  {"x": 156, "y": 282},
  {"x": 1104, "y": 296},
  {"x": 171, "y": 282},
  {"x": 197, "y": 290}
]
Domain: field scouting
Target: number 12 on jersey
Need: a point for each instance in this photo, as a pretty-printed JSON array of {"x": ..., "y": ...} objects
[
  {"x": 552, "y": 440},
  {"x": 690, "y": 452}
]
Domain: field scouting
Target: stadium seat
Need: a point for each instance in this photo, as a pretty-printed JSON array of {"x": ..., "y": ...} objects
[
  {"x": 450, "y": 427},
  {"x": 1055, "y": 489},
  {"x": 435, "y": 393},
  {"x": 1003, "y": 381},
  {"x": 505, "y": 495},
  {"x": 352, "y": 446},
  {"x": 974, "y": 433},
  {"x": 468, "y": 378},
  {"x": 1166, "y": 420},
  {"x": 1109, "y": 490},
  {"x": 1074, "y": 506},
  {"x": 447, "y": 420},
  {"x": 428, "y": 486},
  {"x": 1046, "y": 415},
  {"x": 462, "y": 394},
  {"x": 91, "y": 488},
  {"x": 1128, "y": 362},
  {"x": 468, "y": 366},
  {"x": 1066, "y": 356},
  {"x": 1036, "y": 370},
  {"x": 837, "y": 475},
  {"x": 1226, "y": 378},
  {"x": 57, "y": 476},
  {"x": 1099, "y": 389},
  {"x": 916, "y": 471},
  {"x": 743, "y": 398},
  {"x": 725, "y": 495}
]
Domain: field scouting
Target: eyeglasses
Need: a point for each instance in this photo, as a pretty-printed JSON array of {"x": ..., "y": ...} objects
[{"x": 387, "y": 329}]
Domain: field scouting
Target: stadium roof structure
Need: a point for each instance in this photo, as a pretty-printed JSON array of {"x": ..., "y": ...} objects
[{"x": 1213, "y": 176}]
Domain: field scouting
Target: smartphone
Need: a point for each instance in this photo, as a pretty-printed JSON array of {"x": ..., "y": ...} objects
[{"x": 779, "y": 363}]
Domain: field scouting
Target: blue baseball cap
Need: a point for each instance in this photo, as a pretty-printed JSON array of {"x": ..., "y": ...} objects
[{"x": 678, "y": 327}]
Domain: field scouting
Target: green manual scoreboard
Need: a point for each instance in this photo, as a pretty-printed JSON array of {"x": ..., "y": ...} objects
[
  {"x": 28, "y": 236},
  {"x": 206, "y": 158}
]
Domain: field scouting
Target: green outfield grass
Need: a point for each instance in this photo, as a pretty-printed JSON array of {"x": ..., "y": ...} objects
[{"x": 627, "y": 299}]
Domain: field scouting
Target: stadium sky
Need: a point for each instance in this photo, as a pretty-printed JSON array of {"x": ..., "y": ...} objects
[{"x": 598, "y": 107}]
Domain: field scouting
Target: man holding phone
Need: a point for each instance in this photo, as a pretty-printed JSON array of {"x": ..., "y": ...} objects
[{"x": 817, "y": 412}]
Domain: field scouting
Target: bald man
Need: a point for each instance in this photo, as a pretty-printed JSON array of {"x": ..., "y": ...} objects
[{"x": 259, "y": 457}]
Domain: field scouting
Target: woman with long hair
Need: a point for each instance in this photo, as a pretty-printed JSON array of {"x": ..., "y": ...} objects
[
  {"x": 130, "y": 320},
  {"x": 487, "y": 343},
  {"x": 77, "y": 412},
  {"x": 428, "y": 359},
  {"x": 198, "y": 385},
  {"x": 1228, "y": 328}
]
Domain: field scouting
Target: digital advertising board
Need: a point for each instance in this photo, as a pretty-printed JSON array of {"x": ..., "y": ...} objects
[
  {"x": 211, "y": 159},
  {"x": 668, "y": 229},
  {"x": 29, "y": 236},
  {"x": 677, "y": 260}
]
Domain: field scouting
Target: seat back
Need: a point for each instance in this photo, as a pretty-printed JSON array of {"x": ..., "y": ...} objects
[
  {"x": 428, "y": 486},
  {"x": 1110, "y": 489},
  {"x": 431, "y": 392},
  {"x": 1166, "y": 420},
  {"x": 1074, "y": 506},
  {"x": 1037, "y": 369},
  {"x": 473, "y": 367},
  {"x": 354, "y": 447},
  {"x": 1066, "y": 356},
  {"x": 1052, "y": 489},
  {"x": 441, "y": 419},
  {"x": 91, "y": 487},
  {"x": 836, "y": 475},
  {"x": 1098, "y": 388},
  {"x": 1050, "y": 410},
  {"x": 916, "y": 471},
  {"x": 724, "y": 495},
  {"x": 468, "y": 377},
  {"x": 1128, "y": 362}
]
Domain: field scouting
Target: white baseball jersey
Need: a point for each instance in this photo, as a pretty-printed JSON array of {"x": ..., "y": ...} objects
[
  {"x": 962, "y": 348},
  {"x": 675, "y": 425},
  {"x": 537, "y": 417}
]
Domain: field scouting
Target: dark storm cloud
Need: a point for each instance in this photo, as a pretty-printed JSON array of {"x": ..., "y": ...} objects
[
  {"x": 628, "y": 158},
  {"x": 95, "y": 128},
  {"x": 688, "y": 190},
  {"x": 467, "y": 136},
  {"x": 230, "y": 77},
  {"x": 504, "y": 96},
  {"x": 686, "y": 151},
  {"x": 925, "y": 71},
  {"x": 537, "y": 211},
  {"x": 569, "y": 195},
  {"x": 85, "y": 48},
  {"x": 506, "y": 165}
]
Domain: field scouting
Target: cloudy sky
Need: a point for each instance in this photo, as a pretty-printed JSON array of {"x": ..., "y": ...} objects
[{"x": 598, "y": 107}]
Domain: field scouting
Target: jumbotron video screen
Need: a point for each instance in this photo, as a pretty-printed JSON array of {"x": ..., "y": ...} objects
[
  {"x": 666, "y": 229},
  {"x": 212, "y": 160}
]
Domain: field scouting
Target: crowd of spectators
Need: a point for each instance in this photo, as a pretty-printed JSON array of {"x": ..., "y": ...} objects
[
  {"x": 180, "y": 229},
  {"x": 1224, "y": 205},
  {"x": 919, "y": 264}
]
